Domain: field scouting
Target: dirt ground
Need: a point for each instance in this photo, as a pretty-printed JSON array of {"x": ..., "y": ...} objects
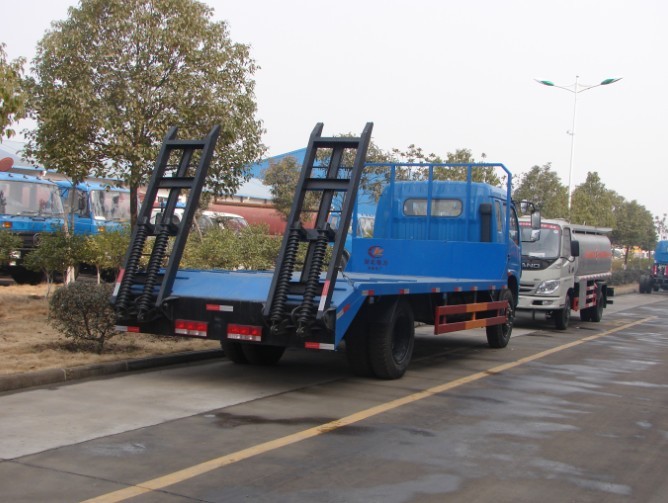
[{"x": 28, "y": 342}]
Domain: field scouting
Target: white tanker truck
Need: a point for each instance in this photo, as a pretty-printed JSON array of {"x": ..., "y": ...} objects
[{"x": 566, "y": 269}]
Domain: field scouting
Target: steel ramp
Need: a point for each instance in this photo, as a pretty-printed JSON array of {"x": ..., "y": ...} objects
[
  {"x": 339, "y": 184},
  {"x": 154, "y": 282}
]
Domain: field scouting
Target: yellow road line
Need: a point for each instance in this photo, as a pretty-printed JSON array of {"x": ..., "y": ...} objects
[{"x": 228, "y": 459}]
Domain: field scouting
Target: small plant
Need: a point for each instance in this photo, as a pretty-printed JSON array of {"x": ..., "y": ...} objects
[
  {"x": 9, "y": 242},
  {"x": 106, "y": 251},
  {"x": 55, "y": 254},
  {"x": 81, "y": 311}
]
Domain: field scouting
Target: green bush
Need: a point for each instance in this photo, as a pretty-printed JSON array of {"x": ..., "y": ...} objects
[
  {"x": 56, "y": 252},
  {"x": 9, "y": 242},
  {"x": 106, "y": 251},
  {"x": 252, "y": 248},
  {"x": 626, "y": 274},
  {"x": 81, "y": 311}
]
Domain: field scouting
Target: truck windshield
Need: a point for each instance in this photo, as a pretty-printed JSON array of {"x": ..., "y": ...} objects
[
  {"x": 30, "y": 199},
  {"x": 110, "y": 205},
  {"x": 549, "y": 244}
]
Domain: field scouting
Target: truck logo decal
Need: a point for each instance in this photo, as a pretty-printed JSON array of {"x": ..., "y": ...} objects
[{"x": 375, "y": 251}]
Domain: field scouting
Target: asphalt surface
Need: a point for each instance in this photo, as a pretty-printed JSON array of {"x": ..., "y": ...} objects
[{"x": 576, "y": 415}]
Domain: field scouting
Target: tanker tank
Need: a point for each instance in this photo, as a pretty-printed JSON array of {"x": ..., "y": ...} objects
[{"x": 595, "y": 251}]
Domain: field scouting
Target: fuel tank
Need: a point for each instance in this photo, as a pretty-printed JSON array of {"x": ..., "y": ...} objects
[{"x": 595, "y": 251}]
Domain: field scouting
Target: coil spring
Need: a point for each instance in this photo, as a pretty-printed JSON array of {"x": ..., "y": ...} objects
[
  {"x": 305, "y": 312},
  {"x": 154, "y": 264},
  {"x": 285, "y": 275},
  {"x": 122, "y": 298}
]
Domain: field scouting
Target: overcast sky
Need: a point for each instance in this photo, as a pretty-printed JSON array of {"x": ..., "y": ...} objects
[{"x": 451, "y": 74}]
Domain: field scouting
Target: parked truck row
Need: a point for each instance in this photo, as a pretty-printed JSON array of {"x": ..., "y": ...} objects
[{"x": 387, "y": 246}]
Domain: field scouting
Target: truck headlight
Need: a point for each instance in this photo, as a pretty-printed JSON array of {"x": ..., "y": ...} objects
[{"x": 548, "y": 287}]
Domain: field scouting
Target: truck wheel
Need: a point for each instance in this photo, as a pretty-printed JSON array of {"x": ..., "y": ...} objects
[
  {"x": 262, "y": 355},
  {"x": 357, "y": 350},
  {"x": 645, "y": 284},
  {"x": 596, "y": 312},
  {"x": 563, "y": 316},
  {"x": 233, "y": 351},
  {"x": 499, "y": 335},
  {"x": 391, "y": 343}
]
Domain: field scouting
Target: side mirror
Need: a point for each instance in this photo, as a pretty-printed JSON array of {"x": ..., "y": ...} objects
[
  {"x": 535, "y": 220},
  {"x": 575, "y": 248}
]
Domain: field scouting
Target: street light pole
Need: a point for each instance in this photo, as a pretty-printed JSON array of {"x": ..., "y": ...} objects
[{"x": 576, "y": 89}]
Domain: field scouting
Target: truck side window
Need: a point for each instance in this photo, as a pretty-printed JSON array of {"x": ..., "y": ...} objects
[
  {"x": 514, "y": 227},
  {"x": 439, "y": 207},
  {"x": 80, "y": 205},
  {"x": 500, "y": 218},
  {"x": 566, "y": 243}
]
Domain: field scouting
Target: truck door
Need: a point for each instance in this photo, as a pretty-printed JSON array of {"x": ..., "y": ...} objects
[{"x": 513, "y": 233}]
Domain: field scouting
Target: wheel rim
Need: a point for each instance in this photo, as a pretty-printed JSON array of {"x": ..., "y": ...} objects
[
  {"x": 400, "y": 340},
  {"x": 510, "y": 319}
]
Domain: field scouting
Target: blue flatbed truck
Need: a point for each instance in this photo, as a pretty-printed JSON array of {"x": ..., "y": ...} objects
[{"x": 442, "y": 253}]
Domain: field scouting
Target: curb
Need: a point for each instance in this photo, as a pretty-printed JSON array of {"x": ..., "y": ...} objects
[{"x": 61, "y": 375}]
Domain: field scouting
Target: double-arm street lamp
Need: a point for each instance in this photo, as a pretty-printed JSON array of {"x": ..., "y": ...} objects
[{"x": 576, "y": 89}]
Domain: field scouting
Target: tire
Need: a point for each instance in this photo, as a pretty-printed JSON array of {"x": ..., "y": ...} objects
[
  {"x": 597, "y": 310},
  {"x": 498, "y": 336},
  {"x": 233, "y": 351},
  {"x": 645, "y": 284},
  {"x": 262, "y": 355},
  {"x": 357, "y": 349},
  {"x": 585, "y": 314},
  {"x": 391, "y": 342},
  {"x": 563, "y": 316}
]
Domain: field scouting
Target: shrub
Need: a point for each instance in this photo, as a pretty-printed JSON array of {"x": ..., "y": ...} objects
[
  {"x": 81, "y": 311},
  {"x": 9, "y": 242},
  {"x": 106, "y": 251},
  {"x": 56, "y": 252}
]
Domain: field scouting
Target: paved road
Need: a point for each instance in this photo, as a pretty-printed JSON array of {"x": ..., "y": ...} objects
[{"x": 574, "y": 416}]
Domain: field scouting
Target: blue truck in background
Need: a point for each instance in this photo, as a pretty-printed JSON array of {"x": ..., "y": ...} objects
[
  {"x": 442, "y": 253},
  {"x": 657, "y": 279},
  {"x": 29, "y": 207},
  {"x": 95, "y": 206},
  {"x": 32, "y": 205}
]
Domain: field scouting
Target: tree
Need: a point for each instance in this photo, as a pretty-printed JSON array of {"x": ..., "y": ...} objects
[
  {"x": 282, "y": 178},
  {"x": 56, "y": 253},
  {"x": 592, "y": 203},
  {"x": 543, "y": 187},
  {"x": 415, "y": 154},
  {"x": 106, "y": 252},
  {"x": 113, "y": 77},
  {"x": 661, "y": 227},
  {"x": 12, "y": 93},
  {"x": 634, "y": 227},
  {"x": 9, "y": 243}
]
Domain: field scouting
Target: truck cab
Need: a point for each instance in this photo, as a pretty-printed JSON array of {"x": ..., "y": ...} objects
[
  {"x": 29, "y": 206},
  {"x": 94, "y": 207},
  {"x": 439, "y": 227}
]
